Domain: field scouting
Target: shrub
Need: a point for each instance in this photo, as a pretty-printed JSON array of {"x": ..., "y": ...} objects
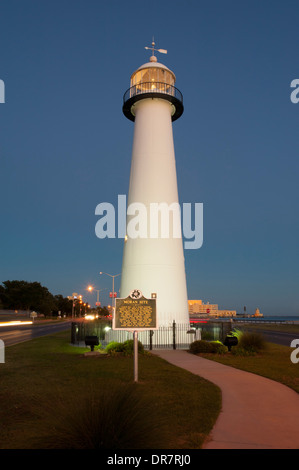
[
  {"x": 128, "y": 346},
  {"x": 202, "y": 346},
  {"x": 252, "y": 342},
  {"x": 118, "y": 416},
  {"x": 249, "y": 344},
  {"x": 237, "y": 333},
  {"x": 220, "y": 348},
  {"x": 114, "y": 347}
]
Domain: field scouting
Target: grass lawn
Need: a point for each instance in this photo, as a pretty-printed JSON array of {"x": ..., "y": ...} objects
[
  {"x": 46, "y": 383},
  {"x": 274, "y": 363}
]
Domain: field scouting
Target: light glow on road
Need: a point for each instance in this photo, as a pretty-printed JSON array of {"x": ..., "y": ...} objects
[
  {"x": 90, "y": 317},
  {"x": 14, "y": 323}
]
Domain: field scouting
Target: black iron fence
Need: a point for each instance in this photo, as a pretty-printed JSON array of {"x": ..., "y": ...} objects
[
  {"x": 81, "y": 329},
  {"x": 214, "y": 330},
  {"x": 174, "y": 336}
]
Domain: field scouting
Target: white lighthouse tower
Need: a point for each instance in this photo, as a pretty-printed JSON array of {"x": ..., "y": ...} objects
[{"x": 153, "y": 258}]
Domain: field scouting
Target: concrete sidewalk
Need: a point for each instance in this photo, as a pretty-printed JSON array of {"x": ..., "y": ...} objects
[{"x": 257, "y": 413}]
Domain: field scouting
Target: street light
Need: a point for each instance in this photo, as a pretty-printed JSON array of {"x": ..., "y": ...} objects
[
  {"x": 113, "y": 276},
  {"x": 74, "y": 297},
  {"x": 91, "y": 288}
]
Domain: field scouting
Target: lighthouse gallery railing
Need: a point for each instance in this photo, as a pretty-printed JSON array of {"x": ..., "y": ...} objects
[{"x": 153, "y": 87}]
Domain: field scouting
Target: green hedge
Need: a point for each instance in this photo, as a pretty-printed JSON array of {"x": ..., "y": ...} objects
[
  {"x": 114, "y": 347},
  {"x": 202, "y": 346},
  {"x": 127, "y": 347},
  {"x": 250, "y": 343}
]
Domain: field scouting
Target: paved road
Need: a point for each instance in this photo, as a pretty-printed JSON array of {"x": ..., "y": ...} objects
[
  {"x": 18, "y": 334},
  {"x": 277, "y": 337}
]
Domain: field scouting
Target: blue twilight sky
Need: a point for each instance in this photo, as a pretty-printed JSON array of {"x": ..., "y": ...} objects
[{"x": 65, "y": 145}]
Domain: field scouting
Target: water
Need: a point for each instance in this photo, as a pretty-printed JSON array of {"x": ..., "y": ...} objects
[{"x": 278, "y": 318}]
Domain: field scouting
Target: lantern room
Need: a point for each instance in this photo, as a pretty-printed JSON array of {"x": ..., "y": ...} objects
[
  {"x": 153, "y": 80},
  {"x": 153, "y": 75}
]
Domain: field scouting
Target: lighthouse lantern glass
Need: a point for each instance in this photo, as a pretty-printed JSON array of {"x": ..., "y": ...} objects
[{"x": 154, "y": 79}]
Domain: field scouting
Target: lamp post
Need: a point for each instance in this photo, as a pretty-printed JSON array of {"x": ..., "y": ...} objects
[
  {"x": 74, "y": 297},
  {"x": 91, "y": 288},
  {"x": 113, "y": 276}
]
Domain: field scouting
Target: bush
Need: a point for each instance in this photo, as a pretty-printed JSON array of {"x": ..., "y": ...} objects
[
  {"x": 249, "y": 343},
  {"x": 202, "y": 346},
  {"x": 220, "y": 348},
  {"x": 252, "y": 342},
  {"x": 114, "y": 347},
  {"x": 127, "y": 347},
  {"x": 118, "y": 416},
  {"x": 199, "y": 346},
  {"x": 237, "y": 333}
]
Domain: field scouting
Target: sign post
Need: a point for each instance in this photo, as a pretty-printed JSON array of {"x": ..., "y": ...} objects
[
  {"x": 135, "y": 335},
  {"x": 33, "y": 315},
  {"x": 135, "y": 313}
]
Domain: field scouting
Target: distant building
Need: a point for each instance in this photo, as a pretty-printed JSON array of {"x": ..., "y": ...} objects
[
  {"x": 257, "y": 313},
  {"x": 197, "y": 307},
  {"x": 249, "y": 315}
]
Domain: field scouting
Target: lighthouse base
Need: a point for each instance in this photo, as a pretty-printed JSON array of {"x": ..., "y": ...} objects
[{"x": 174, "y": 336}]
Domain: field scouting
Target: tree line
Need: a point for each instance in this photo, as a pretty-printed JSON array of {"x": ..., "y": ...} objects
[
  {"x": 23, "y": 295},
  {"x": 32, "y": 296}
]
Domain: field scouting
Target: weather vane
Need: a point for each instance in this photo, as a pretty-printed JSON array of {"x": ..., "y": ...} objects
[{"x": 163, "y": 51}]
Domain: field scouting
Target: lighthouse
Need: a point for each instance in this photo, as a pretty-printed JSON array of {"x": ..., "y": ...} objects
[{"x": 153, "y": 256}]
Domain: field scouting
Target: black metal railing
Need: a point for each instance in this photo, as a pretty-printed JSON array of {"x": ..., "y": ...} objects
[{"x": 153, "y": 87}]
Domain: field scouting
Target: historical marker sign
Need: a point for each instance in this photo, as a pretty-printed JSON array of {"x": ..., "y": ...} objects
[{"x": 135, "y": 313}]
